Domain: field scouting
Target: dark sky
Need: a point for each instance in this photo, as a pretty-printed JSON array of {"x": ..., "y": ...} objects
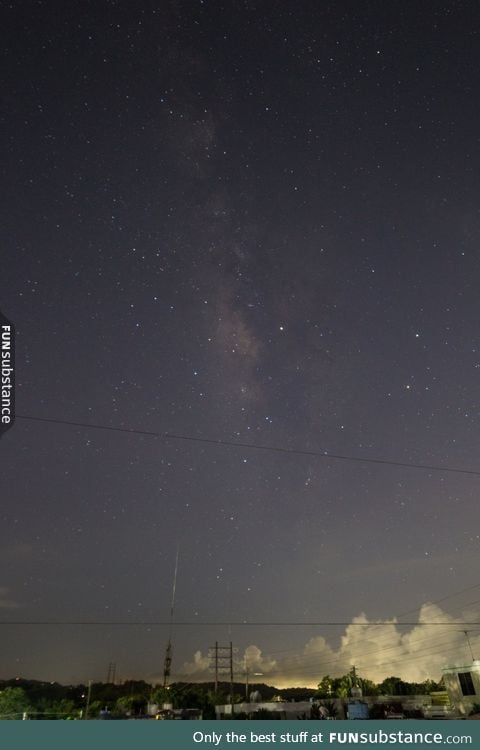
[{"x": 255, "y": 223}]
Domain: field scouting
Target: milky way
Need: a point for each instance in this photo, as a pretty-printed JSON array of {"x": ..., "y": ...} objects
[{"x": 252, "y": 224}]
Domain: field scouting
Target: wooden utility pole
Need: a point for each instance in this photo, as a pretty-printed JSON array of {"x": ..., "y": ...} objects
[{"x": 221, "y": 662}]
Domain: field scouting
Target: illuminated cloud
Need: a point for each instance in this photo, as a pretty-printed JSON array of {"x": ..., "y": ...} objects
[
  {"x": 199, "y": 665},
  {"x": 414, "y": 653},
  {"x": 255, "y": 661}
]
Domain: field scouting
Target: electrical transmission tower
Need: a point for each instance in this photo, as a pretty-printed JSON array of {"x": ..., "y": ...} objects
[{"x": 112, "y": 669}]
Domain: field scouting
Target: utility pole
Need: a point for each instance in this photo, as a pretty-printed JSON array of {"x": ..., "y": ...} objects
[
  {"x": 89, "y": 695},
  {"x": 231, "y": 675},
  {"x": 112, "y": 668},
  {"x": 216, "y": 666},
  {"x": 247, "y": 672},
  {"x": 221, "y": 662},
  {"x": 469, "y": 644}
]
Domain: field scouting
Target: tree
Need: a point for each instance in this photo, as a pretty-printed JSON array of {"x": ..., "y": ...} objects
[
  {"x": 94, "y": 709},
  {"x": 216, "y": 699},
  {"x": 341, "y": 687},
  {"x": 297, "y": 694},
  {"x": 14, "y": 703},
  {"x": 62, "y": 709},
  {"x": 45, "y": 708},
  {"x": 162, "y": 695},
  {"x": 391, "y": 686},
  {"x": 325, "y": 687},
  {"x": 367, "y": 686},
  {"x": 130, "y": 705}
]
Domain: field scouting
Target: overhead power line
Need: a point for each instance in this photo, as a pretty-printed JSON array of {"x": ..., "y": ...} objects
[
  {"x": 443, "y": 599},
  {"x": 225, "y": 623},
  {"x": 254, "y": 446},
  {"x": 86, "y": 424}
]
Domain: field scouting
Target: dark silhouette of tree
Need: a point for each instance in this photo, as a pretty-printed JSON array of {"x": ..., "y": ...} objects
[{"x": 14, "y": 703}]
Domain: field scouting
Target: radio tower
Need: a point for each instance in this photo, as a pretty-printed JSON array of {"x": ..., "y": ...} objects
[{"x": 168, "y": 651}]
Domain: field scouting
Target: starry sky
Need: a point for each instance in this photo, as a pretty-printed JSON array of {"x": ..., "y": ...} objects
[{"x": 252, "y": 223}]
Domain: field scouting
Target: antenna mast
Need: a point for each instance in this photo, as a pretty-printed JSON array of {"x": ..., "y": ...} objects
[{"x": 168, "y": 651}]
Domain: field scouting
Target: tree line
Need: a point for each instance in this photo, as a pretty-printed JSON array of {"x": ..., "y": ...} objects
[{"x": 34, "y": 699}]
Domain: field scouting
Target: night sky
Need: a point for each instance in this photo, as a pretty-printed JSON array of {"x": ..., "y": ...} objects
[{"x": 254, "y": 223}]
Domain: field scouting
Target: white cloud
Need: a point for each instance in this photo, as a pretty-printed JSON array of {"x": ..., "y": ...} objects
[
  {"x": 255, "y": 661},
  {"x": 199, "y": 666},
  {"x": 413, "y": 652}
]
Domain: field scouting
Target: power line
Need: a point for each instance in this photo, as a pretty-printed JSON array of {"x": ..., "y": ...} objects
[
  {"x": 85, "y": 424},
  {"x": 323, "y": 666},
  {"x": 230, "y": 623},
  {"x": 303, "y": 662},
  {"x": 254, "y": 446},
  {"x": 395, "y": 622},
  {"x": 444, "y": 598}
]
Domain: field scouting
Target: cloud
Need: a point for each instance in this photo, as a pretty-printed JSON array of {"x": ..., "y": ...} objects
[
  {"x": 256, "y": 662},
  {"x": 202, "y": 666},
  {"x": 412, "y": 652},
  {"x": 199, "y": 666}
]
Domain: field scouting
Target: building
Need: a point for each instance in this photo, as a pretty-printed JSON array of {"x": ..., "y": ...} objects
[
  {"x": 463, "y": 687},
  {"x": 276, "y": 709}
]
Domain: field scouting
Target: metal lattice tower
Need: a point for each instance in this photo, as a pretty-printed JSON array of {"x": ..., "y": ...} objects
[{"x": 167, "y": 664}]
